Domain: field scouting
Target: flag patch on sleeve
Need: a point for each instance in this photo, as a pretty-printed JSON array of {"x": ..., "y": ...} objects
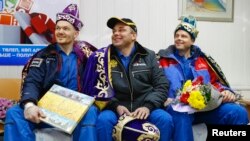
[{"x": 36, "y": 62}]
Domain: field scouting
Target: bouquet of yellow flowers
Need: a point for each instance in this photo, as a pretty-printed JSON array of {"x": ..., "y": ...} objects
[{"x": 195, "y": 96}]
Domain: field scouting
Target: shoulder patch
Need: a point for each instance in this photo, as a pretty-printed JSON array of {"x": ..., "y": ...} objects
[{"x": 36, "y": 62}]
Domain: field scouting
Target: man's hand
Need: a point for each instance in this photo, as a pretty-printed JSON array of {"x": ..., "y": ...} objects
[
  {"x": 228, "y": 96},
  {"x": 33, "y": 113},
  {"x": 122, "y": 110},
  {"x": 168, "y": 101},
  {"x": 141, "y": 113}
]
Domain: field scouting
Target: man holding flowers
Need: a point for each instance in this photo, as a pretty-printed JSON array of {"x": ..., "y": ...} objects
[{"x": 184, "y": 64}]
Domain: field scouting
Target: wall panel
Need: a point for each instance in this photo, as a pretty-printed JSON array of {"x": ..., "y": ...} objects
[{"x": 227, "y": 42}]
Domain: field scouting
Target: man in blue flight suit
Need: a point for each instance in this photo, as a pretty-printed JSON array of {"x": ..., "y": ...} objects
[{"x": 61, "y": 63}]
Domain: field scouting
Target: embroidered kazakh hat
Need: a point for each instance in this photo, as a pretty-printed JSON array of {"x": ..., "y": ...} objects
[
  {"x": 188, "y": 24},
  {"x": 131, "y": 129},
  {"x": 71, "y": 14}
]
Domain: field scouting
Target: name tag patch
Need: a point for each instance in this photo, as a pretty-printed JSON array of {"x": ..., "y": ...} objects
[{"x": 139, "y": 64}]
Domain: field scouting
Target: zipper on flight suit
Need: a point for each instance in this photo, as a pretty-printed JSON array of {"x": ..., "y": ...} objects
[{"x": 126, "y": 76}]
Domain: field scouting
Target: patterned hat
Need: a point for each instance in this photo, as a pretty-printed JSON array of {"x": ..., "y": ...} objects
[
  {"x": 114, "y": 20},
  {"x": 70, "y": 14},
  {"x": 188, "y": 24},
  {"x": 131, "y": 129}
]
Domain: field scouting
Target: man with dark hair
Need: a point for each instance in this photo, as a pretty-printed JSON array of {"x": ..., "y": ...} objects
[
  {"x": 127, "y": 75},
  {"x": 185, "y": 61}
]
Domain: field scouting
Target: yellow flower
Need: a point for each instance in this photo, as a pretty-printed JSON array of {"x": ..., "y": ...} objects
[
  {"x": 196, "y": 100},
  {"x": 187, "y": 86}
]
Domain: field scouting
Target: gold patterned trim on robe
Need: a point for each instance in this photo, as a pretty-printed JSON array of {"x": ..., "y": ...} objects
[
  {"x": 85, "y": 48},
  {"x": 217, "y": 69},
  {"x": 102, "y": 83},
  {"x": 109, "y": 67}
]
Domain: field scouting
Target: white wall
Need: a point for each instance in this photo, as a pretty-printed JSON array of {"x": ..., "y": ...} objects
[{"x": 156, "y": 20}]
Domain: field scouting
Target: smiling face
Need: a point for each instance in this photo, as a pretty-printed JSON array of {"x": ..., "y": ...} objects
[
  {"x": 65, "y": 33},
  {"x": 123, "y": 36},
  {"x": 183, "y": 41}
]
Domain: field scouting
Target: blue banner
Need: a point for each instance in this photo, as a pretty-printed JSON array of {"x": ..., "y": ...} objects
[
  {"x": 1, "y": 5},
  {"x": 17, "y": 54}
]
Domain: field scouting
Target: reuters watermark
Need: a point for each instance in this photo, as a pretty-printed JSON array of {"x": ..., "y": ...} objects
[{"x": 231, "y": 133}]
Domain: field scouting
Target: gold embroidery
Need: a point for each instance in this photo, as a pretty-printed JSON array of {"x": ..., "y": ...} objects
[
  {"x": 85, "y": 47},
  {"x": 101, "y": 82},
  {"x": 113, "y": 63},
  {"x": 147, "y": 137},
  {"x": 109, "y": 67},
  {"x": 152, "y": 132},
  {"x": 86, "y": 50},
  {"x": 117, "y": 130}
]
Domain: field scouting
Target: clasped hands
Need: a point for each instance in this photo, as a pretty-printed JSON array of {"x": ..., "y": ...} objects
[{"x": 139, "y": 113}]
